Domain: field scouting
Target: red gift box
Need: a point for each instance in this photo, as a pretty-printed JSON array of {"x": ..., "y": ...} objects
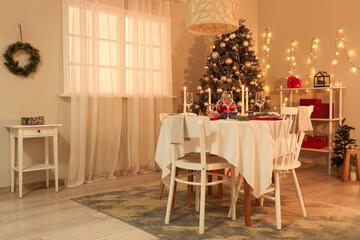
[
  {"x": 293, "y": 82},
  {"x": 316, "y": 142},
  {"x": 308, "y": 102},
  {"x": 321, "y": 110}
]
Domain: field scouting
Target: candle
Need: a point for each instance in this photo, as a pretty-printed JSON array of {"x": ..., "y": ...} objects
[
  {"x": 184, "y": 99},
  {"x": 247, "y": 99},
  {"x": 210, "y": 98},
  {"x": 242, "y": 101}
]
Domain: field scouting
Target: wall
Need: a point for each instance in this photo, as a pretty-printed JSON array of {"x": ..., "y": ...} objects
[
  {"x": 37, "y": 94},
  {"x": 301, "y": 21},
  {"x": 189, "y": 51}
]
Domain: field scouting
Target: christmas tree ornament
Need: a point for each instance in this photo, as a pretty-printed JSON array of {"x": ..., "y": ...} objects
[
  {"x": 206, "y": 79},
  {"x": 226, "y": 39},
  {"x": 215, "y": 79},
  {"x": 229, "y": 80},
  {"x": 259, "y": 76},
  {"x": 258, "y": 69},
  {"x": 232, "y": 35},
  {"x": 246, "y": 54},
  {"x": 234, "y": 48},
  {"x": 215, "y": 55},
  {"x": 252, "y": 83},
  {"x": 240, "y": 82},
  {"x": 239, "y": 104},
  {"x": 245, "y": 44},
  {"x": 237, "y": 73},
  {"x": 206, "y": 67},
  {"x": 222, "y": 45},
  {"x": 233, "y": 88},
  {"x": 250, "y": 49},
  {"x": 207, "y": 90},
  {"x": 219, "y": 90},
  {"x": 247, "y": 64},
  {"x": 234, "y": 67},
  {"x": 242, "y": 75},
  {"x": 212, "y": 47},
  {"x": 223, "y": 78},
  {"x": 228, "y": 61},
  {"x": 214, "y": 64},
  {"x": 237, "y": 90},
  {"x": 197, "y": 106},
  {"x": 201, "y": 91},
  {"x": 247, "y": 36},
  {"x": 199, "y": 88}
]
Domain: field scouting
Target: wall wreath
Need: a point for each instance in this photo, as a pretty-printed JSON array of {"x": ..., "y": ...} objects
[{"x": 13, "y": 65}]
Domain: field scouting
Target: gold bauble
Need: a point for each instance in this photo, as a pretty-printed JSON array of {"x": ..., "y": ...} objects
[
  {"x": 245, "y": 43},
  {"x": 238, "y": 104},
  {"x": 247, "y": 64},
  {"x": 219, "y": 90},
  {"x": 234, "y": 68},
  {"x": 237, "y": 73},
  {"x": 197, "y": 106},
  {"x": 215, "y": 55},
  {"x": 232, "y": 36},
  {"x": 238, "y": 90},
  {"x": 207, "y": 90},
  {"x": 228, "y": 61},
  {"x": 212, "y": 47},
  {"x": 250, "y": 49},
  {"x": 206, "y": 79},
  {"x": 229, "y": 80},
  {"x": 206, "y": 67},
  {"x": 199, "y": 88},
  {"x": 233, "y": 88},
  {"x": 222, "y": 44},
  {"x": 259, "y": 76},
  {"x": 201, "y": 91},
  {"x": 223, "y": 78},
  {"x": 214, "y": 64},
  {"x": 247, "y": 36},
  {"x": 252, "y": 83}
]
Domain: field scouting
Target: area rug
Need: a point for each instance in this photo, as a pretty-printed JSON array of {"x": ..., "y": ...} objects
[{"x": 140, "y": 207}]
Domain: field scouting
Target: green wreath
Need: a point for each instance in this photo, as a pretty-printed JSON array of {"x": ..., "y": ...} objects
[{"x": 13, "y": 65}]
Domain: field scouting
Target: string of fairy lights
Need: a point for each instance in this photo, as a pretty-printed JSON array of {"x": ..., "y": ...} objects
[
  {"x": 291, "y": 59},
  {"x": 266, "y": 54},
  {"x": 340, "y": 46}
]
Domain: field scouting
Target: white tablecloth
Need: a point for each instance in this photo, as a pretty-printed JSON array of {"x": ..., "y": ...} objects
[{"x": 248, "y": 145}]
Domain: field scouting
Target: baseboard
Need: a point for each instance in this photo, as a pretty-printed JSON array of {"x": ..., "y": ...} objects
[{"x": 32, "y": 186}]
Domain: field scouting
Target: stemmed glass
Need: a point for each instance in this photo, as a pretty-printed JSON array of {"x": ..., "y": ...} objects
[
  {"x": 189, "y": 100},
  {"x": 227, "y": 99},
  {"x": 260, "y": 98}
]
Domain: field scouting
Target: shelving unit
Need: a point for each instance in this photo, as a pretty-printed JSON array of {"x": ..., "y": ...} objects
[{"x": 330, "y": 121}]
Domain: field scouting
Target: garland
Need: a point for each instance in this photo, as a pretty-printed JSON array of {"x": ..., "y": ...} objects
[{"x": 13, "y": 65}]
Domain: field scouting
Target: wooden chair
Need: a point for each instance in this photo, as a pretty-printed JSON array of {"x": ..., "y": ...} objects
[
  {"x": 201, "y": 164},
  {"x": 286, "y": 159}
]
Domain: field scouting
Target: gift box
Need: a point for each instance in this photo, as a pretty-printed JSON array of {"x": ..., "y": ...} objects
[
  {"x": 308, "y": 102},
  {"x": 316, "y": 142},
  {"x": 293, "y": 82},
  {"x": 321, "y": 110}
]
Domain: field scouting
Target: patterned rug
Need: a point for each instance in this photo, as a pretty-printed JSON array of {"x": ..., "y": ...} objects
[{"x": 140, "y": 207}]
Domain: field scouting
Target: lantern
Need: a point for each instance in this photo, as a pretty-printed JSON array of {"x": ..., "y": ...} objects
[{"x": 322, "y": 79}]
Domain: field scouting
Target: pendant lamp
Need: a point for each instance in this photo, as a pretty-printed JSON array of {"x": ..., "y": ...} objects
[{"x": 212, "y": 17}]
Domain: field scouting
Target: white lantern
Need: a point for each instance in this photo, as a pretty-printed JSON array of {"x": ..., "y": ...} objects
[{"x": 212, "y": 17}]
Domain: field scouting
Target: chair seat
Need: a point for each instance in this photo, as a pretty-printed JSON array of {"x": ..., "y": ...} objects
[
  {"x": 192, "y": 161},
  {"x": 287, "y": 167}
]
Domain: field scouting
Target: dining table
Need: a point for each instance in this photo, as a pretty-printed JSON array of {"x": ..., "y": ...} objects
[{"x": 248, "y": 145}]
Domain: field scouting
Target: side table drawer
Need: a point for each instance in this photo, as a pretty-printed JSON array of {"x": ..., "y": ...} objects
[{"x": 38, "y": 132}]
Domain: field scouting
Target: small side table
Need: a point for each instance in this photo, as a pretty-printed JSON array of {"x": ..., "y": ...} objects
[{"x": 32, "y": 131}]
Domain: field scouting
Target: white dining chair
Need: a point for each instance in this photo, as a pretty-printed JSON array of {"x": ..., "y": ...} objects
[
  {"x": 198, "y": 127},
  {"x": 286, "y": 158}
]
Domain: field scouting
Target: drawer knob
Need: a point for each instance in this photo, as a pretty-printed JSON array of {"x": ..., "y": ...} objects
[{"x": 38, "y": 130}]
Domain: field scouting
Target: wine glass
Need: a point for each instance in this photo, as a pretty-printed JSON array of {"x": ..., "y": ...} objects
[
  {"x": 189, "y": 100},
  {"x": 227, "y": 99},
  {"x": 260, "y": 98}
]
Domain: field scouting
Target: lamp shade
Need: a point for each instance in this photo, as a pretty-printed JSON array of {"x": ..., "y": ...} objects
[{"x": 212, "y": 17}]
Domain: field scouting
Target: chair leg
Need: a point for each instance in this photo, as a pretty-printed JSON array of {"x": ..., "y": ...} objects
[
  {"x": 233, "y": 206},
  {"x": 298, "y": 192},
  {"x": 202, "y": 201},
  {"x": 161, "y": 189},
  {"x": 220, "y": 192},
  {"x": 209, "y": 187},
  {"x": 189, "y": 188},
  {"x": 277, "y": 201},
  {"x": 174, "y": 197},
  {"x": 171, "y": 195},
  {"x": 236, "y": 195},
  {"x": 197, "y": 193}
]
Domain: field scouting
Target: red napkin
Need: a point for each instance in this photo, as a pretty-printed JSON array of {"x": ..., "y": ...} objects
[
  {"x": 214, "y": 118},
  {"x": 268, "y": 119}
]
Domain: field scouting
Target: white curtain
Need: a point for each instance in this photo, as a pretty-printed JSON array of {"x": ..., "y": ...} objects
[{"x": 117, "y": 69}]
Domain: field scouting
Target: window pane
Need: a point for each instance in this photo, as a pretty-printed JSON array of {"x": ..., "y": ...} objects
[
  {"x": 107, "y": 53},
  {"x": 107, "y": 26},
  {"x": 156, "y": 58},
  {"x": 155, "y": 31},
  {"x": 107, "y": 80},
  {"x": 129, "y": 29},
  {"x": 130, "y": 56}
]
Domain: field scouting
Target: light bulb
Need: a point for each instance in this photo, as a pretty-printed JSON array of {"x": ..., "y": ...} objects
[{"x": 353, "y": 69}]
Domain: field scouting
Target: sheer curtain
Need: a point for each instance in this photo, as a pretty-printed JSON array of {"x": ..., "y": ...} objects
[{"x": 117, "y": 70}]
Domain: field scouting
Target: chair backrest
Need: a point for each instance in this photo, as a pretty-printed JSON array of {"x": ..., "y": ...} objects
[
  {"x": 162, "y": 116},
  {"x": 290, "y": 138}
]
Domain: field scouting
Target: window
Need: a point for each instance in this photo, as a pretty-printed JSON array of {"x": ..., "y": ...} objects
[{"x": 115, "y": 51}]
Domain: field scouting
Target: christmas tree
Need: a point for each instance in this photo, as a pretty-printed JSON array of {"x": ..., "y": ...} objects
[{"x": 231, "y": 64}]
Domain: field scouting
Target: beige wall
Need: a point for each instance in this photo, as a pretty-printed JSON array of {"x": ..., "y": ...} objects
[
  {"x": 301, "y": 21},
  {"x": 37, "y": 94}
]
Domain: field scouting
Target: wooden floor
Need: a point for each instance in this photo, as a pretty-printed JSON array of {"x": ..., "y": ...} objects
[{"x": 42, "y": 214}]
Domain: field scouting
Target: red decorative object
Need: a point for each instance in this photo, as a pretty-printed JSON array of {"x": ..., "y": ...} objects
[
  {"x": 308, "y": 102},
  {"x": 321, "y": 110},
  {"x": 293, "y": 82},
  {"x": 222, "y": 107},
  {"x": 316, "y": 142}
]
